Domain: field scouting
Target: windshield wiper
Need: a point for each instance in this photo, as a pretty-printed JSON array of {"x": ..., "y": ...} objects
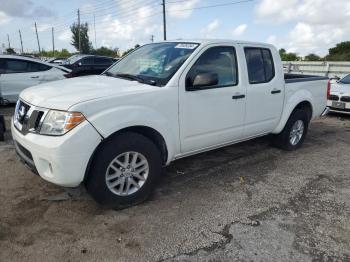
[{"x": 131, "y": 77}]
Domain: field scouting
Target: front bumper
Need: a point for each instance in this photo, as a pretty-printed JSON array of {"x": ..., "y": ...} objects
[{"x": 61, "y": 160}]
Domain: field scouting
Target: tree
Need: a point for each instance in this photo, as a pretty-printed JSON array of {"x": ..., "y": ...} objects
[
  {"x": 105, "y": 51},
  {"x": 85, "y": 44},
  {"x": 64, "y": 53},
  {"x": 288, "y": 56},
  {"x": 341, "y": 52},
  {"x": 131, "y": 49},
  {"x": 312, "y": 57},
  {"x": 10, "y": 51}
]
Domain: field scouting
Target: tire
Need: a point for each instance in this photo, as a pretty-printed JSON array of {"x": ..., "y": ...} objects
[
  {"x": 115, "y": 149},
  {"x": 283, "y": 140}
]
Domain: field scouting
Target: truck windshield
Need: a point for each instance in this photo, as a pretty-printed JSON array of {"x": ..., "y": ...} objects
[
  {"x": 345, "y": 80},
  {"x": 153, "y": 63}
]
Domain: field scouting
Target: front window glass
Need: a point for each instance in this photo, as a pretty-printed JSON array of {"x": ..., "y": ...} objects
[
  {"x": 220, "y": 60},
  {"x": 153, "y": 62}
]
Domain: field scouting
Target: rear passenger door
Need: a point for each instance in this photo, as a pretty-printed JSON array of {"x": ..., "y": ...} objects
[{"x": 265, "y": 91}]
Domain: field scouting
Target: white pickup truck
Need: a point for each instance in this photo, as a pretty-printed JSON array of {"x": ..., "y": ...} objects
[{"x": 162, "y": 102}]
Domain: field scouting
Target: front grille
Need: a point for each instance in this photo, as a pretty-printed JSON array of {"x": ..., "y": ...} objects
[
  {"x": 345, "y": 99},
  {"x": 333, "y": 97},
  {"x": 28, "y": 118}
]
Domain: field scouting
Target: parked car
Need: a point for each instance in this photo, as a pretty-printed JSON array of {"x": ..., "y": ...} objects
[
  {"x": 82, "y": 65},
  {"x": 162, "y": 102},
  {"x": 339, "y": 97},
  {"x": 19, "y": 72},
  {"x": 57, "y": 60}
]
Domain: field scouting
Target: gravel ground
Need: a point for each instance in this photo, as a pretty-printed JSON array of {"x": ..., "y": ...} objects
[{"x": 247, "y": 202}]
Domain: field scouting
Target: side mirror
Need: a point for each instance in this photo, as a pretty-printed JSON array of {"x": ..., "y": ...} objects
[
  {"x": 80, "y": 64},
  {"x": 202, "y": 81}
]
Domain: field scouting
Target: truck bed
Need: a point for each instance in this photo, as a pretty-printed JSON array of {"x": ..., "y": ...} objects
[{"x": 292, "y": 78}]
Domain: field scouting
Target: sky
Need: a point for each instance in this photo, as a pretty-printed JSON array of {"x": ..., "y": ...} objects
[{"x": 301, "y": 26}]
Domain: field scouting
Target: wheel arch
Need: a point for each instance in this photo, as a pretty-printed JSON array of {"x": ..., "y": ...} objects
[
  {"x": 302, "y": 104},
  {"x": 146, "y": 131}
]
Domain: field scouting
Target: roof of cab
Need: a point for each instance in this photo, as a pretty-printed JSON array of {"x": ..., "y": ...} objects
[{"x": 217, "y": 41}]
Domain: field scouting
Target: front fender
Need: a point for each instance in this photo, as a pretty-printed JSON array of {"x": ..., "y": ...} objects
[
  {"x": 112, "y": 120},
  {"x": 296, "y": 98}
]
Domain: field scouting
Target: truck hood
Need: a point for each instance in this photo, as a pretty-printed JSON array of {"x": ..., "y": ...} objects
[{"x": 63, "y": 94}]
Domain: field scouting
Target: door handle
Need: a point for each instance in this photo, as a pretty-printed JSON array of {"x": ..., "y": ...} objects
[
  {"x": 34, "y": 77},
  {"x": 275, "y": 92},
  {"x": 238, "y": 96}
]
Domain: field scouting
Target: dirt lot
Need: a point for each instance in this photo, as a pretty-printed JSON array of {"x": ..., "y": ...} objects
[{"x": 248, "y": 202}]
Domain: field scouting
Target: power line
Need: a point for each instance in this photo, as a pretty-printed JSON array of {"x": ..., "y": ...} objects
[{"x": 212, "y": 6}]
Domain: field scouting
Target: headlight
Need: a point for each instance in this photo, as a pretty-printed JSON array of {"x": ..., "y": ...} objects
[{"x": 58, "y": 123}]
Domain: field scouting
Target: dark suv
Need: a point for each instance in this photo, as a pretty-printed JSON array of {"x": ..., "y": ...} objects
[{"x": 82, "y": 65}]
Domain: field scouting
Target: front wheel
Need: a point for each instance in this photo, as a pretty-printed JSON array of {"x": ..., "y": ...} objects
[
  {"x": 124, "y": 171},
  {"x": 293, "y": 135}
]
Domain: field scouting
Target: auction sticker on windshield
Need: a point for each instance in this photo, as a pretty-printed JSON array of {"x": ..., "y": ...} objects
[{"x": 186, "y": 46}]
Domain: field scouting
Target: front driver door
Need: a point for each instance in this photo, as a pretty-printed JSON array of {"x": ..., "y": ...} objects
[{"x": 211, "y": 115}]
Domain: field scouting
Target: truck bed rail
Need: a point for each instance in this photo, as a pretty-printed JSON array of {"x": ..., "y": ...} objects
[{"x": 293, "y": 78}]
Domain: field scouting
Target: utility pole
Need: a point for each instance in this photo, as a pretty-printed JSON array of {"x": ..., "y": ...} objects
[
  {"x": 152, "y": 38},
  {"x": 53, "y": 42},
  {"x": 20, "y": 37},
  {"x": 164, "y": 20},
  {"x": 95, "y": 32},
  {"x": 37, "y": 37},
  {"x": 79, "y": 44},
  {"x": 8, "y": 40}
]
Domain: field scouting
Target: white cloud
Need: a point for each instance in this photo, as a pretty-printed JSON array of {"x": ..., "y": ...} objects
[
  {"x": 87, "y": 8},
  {"x": 179, "y": 10},
  {"x": 42, "y": 27},
  {"x": 65, "y": 35},
  {"x": 4, "y": 18},
  {"x": 239, "y": 30},
  {"x": 125, "y": 31},
  {"x": 210, "y": 28},
  {"x": 318, "y": 24},
  {"x": 271, "y": 39}
]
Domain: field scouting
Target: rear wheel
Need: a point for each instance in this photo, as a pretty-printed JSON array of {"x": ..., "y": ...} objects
[
  {"x": 124, "y": 171},
  {"x": 293, "y": 135}
]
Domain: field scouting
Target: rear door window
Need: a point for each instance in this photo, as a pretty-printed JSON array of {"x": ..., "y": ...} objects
[{"x": 260, "y": 65}]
